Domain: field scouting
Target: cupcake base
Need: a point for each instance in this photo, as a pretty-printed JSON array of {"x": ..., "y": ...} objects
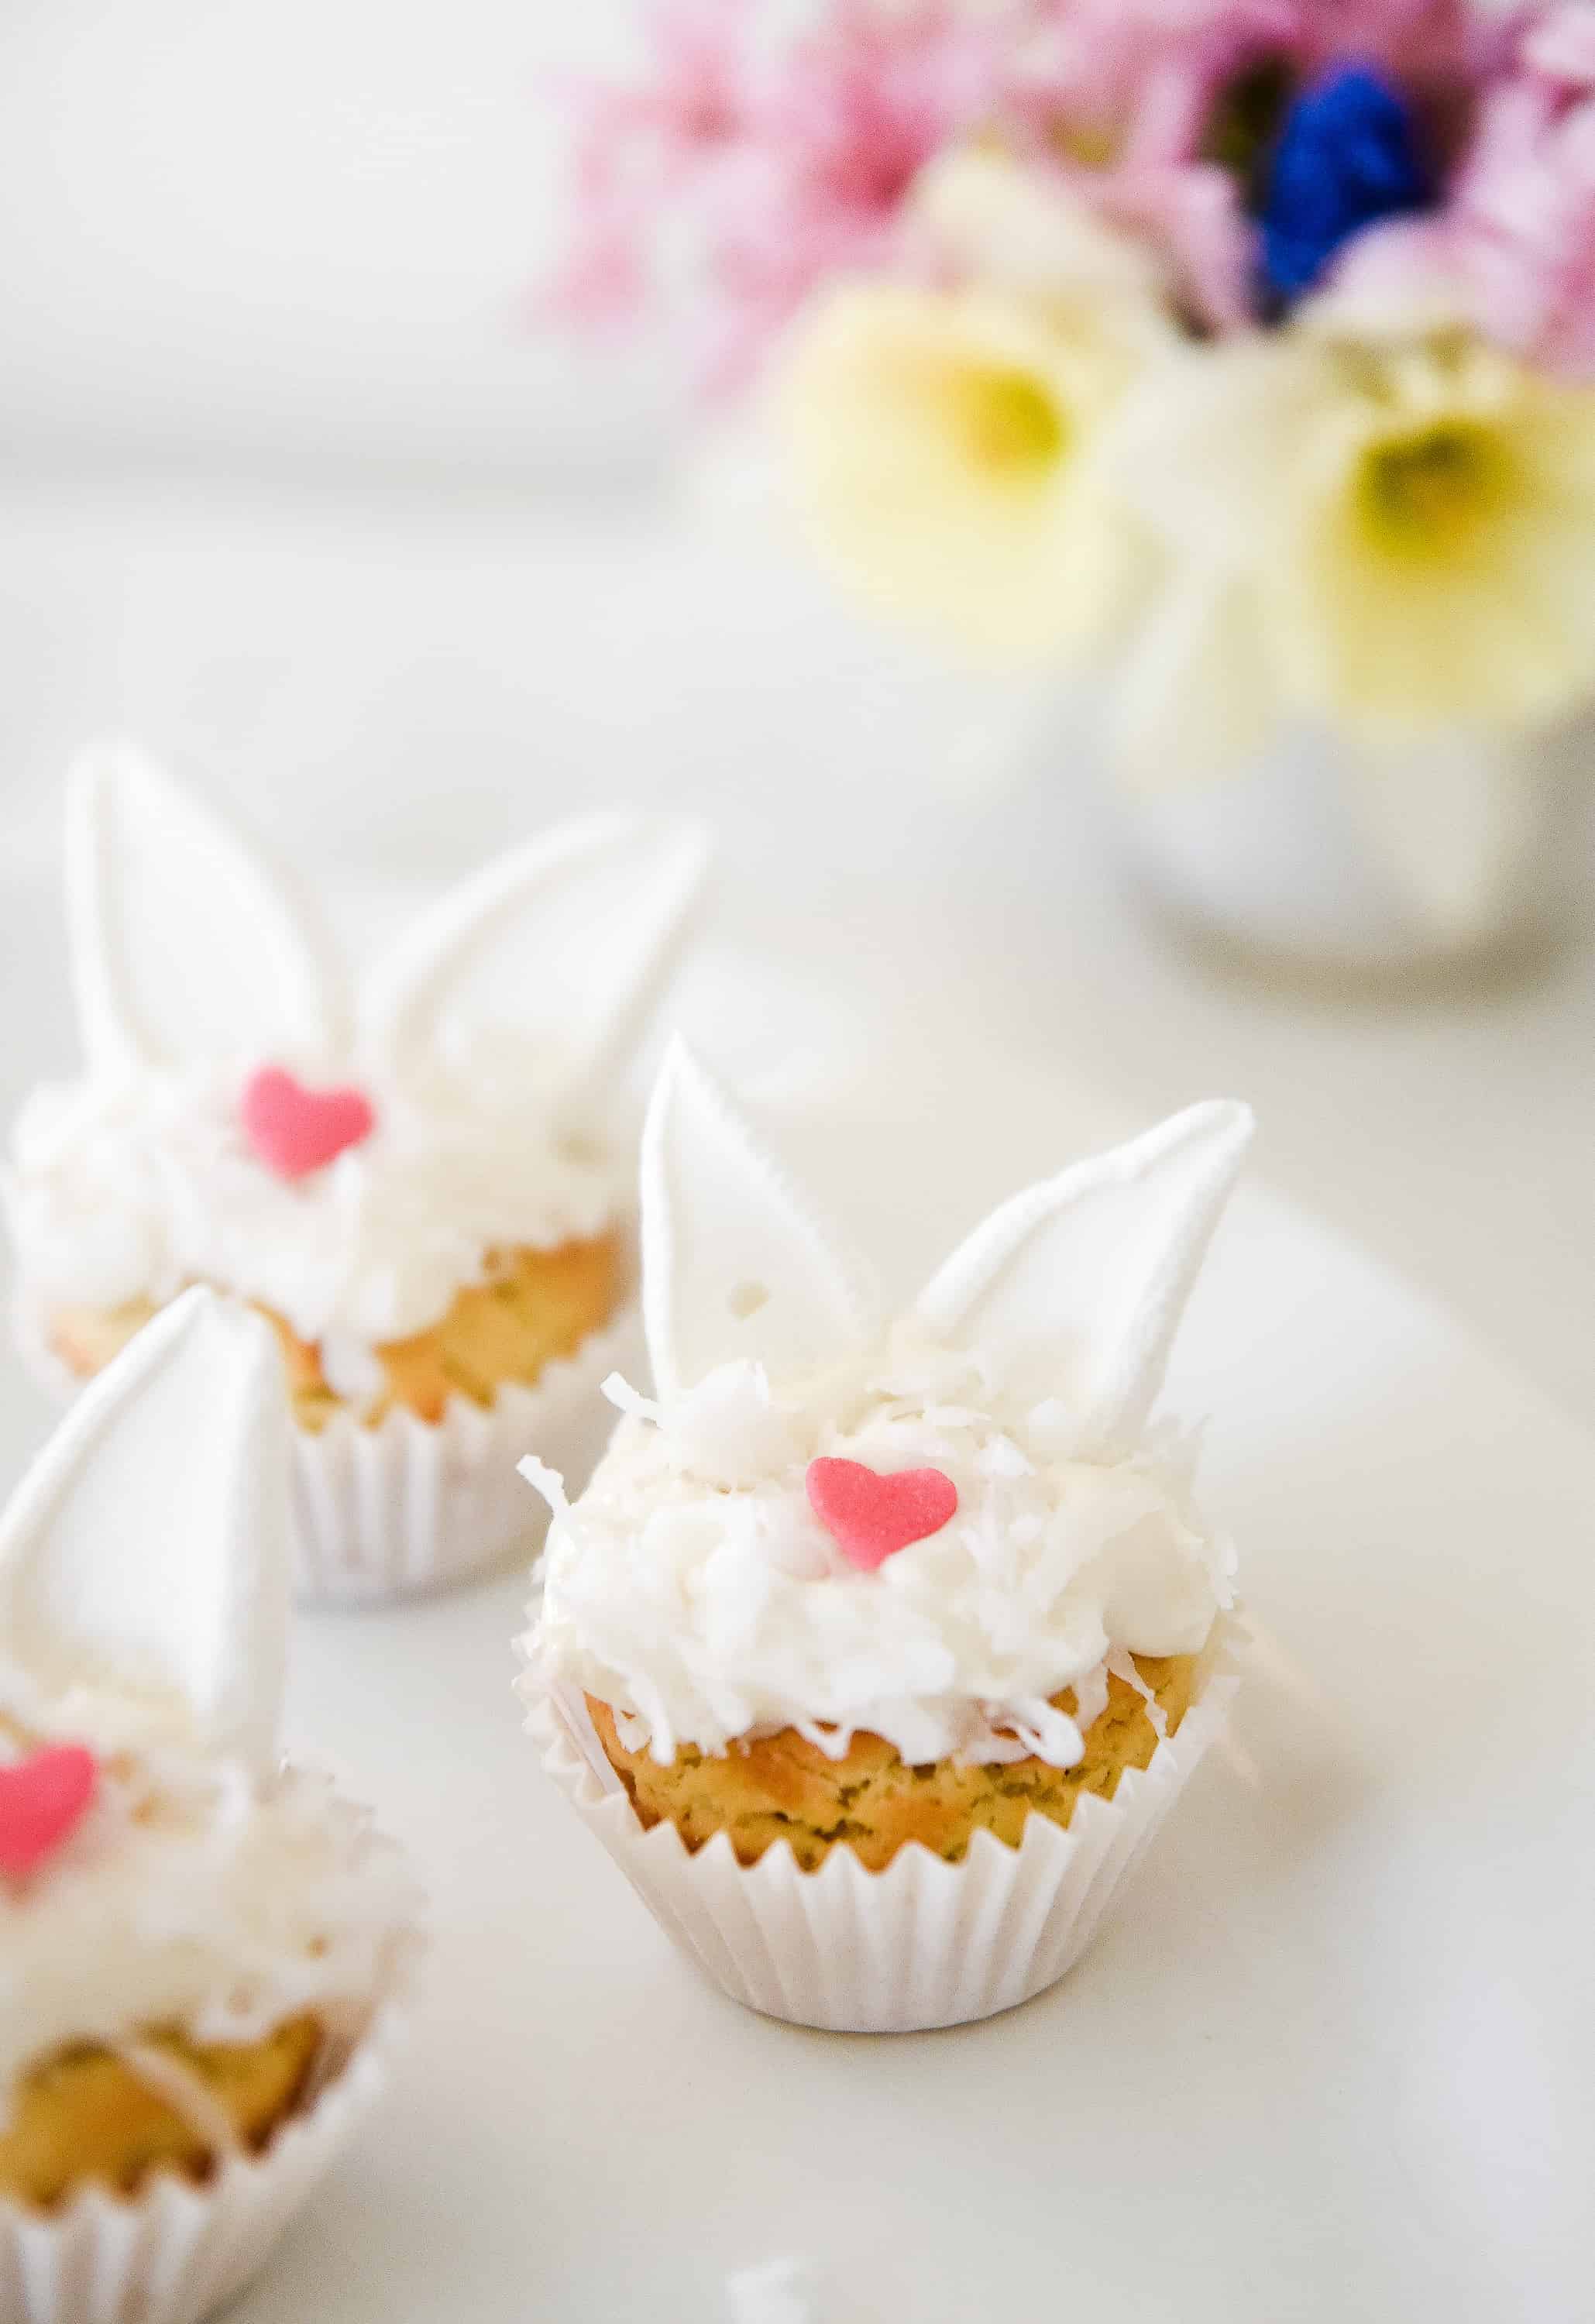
[
  {"x": 784, "y": 1787},
  {"x": 924, "y": 1943},
  {"x": 90, "y": 2113},
  {"x": 178, "y": 2251},
  {"x": 533, "y": 1306}
]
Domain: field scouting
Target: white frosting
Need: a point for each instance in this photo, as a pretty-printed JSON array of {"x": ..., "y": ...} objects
[
  {"x": 136, "y": 1188},
  {"x": 482, "y": 1039},
  {"x": 196, "y": 1895},
  {"x": 693, "y": 1587}
]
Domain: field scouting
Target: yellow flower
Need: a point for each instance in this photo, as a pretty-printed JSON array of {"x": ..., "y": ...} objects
[
  {"x": 940, "y": 444},
  {"x": 1448, "y": 565},
  {"x": 1415, "y": 522}
]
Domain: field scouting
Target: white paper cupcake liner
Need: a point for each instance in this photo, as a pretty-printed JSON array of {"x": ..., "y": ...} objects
[
  {"x": 923, "y": 1943},
  {"x": 177, "y": 2252},
  {"x": 412, "y": 1505}
]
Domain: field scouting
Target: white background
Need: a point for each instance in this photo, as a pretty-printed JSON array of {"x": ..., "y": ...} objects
[{"x": 301, "y": 235}]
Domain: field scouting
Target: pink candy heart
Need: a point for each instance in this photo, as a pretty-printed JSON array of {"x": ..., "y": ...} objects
[
  {"x": 295, "y": 1129},
  {"x": 43, "y": 1801},
  {"x": 870, "y": 1516}
]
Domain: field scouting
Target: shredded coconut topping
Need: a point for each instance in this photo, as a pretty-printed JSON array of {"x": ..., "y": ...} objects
[
  {"x": 192, "y": 1894},
  {"x": 137, "y": 1187},
  {"x": 693, "y": 1587}
]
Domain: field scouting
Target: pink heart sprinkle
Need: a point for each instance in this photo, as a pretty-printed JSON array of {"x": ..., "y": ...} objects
[
  {"x": 295, "y": 1129},
  {"x": 870, "y": 1516},
  {"x": 43, "y": 1801}
]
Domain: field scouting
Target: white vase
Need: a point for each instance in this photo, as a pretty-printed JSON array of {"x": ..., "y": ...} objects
[{"x": 1453, "y": 855}]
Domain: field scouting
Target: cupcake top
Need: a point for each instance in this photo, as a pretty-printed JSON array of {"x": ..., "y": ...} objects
[
  {"x": 157, "y": 1864},
  {"x": 924, "y": 1528},
  {"x": 348, "y": 1159}
]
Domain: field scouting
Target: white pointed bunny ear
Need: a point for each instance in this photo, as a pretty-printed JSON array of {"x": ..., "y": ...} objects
[
  {"x": 183, "y": 945},
  {"x": 734, "y": 1263},
  {"x": 145, "y": 1555},
  {"x": 1078, "y": 1285},
  {"x": 572, "y": 937}
]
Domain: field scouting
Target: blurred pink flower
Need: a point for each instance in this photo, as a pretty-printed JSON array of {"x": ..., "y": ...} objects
[
  {"x": 1559, "y": 44},
  {"x": 787, "y": 166},
  {"x": 1119, "y": 94},
  {"x": 1132, "y": 83},
  {"x": 1135, "y": 88},
  {"x": 841, "y": 127},
  {"x": 1146, "y": 75},
  {"x": 1421, "y": 42},
  {"x": 1401, "y": 281},
  {"x": 742, "y": 170},
  {"x": 1523, "y": 221},
  {"x": 635, "y": 148},
  {"x": 1192, "y": 212},
  {"x": 1512, "y": 255}
]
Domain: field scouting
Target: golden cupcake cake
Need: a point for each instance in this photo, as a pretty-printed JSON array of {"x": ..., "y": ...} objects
[
  {"x": 422, "y": 1180},
  {"x": 877, "y": 1644},
  {"x": 202, "y": 1947}
]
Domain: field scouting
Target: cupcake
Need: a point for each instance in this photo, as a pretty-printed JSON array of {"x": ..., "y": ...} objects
[
  {"x": 421, "y": 1184},
  {"x": 876, "y": 1649},
  {"x": 201, "y": 1947}
]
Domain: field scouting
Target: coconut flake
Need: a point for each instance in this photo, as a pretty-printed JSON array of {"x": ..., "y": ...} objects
[
  {"x": 618, "y": 1391},
  {"x": 547, "y": 1481},
  {"x": 728, "y": 1431}
]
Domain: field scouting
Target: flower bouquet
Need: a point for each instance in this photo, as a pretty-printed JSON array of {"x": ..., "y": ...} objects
[{"x": 1232, "y": 359}]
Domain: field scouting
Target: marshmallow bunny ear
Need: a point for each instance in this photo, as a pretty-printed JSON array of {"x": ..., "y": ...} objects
[
  {"x": 734, "y": 1262},
  {"x": 572, "y": 937},
  {"x": 145, "y": 1554},
  {"x": 1080, "y": 1282},
  {"x": 183, "y": 945}
]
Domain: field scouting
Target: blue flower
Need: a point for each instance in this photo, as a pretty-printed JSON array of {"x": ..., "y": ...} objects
[{"x": 1347, "y": 156}]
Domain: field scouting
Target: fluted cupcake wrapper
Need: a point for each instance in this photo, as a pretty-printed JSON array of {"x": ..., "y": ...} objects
[
  {"x": 413, "y": 1505},
  {"x": 177, "y": 2252},
  {"x": 921, "y": 1944}
]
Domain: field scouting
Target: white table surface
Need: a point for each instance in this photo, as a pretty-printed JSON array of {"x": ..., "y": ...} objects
[{"x": 406, "y": 681}]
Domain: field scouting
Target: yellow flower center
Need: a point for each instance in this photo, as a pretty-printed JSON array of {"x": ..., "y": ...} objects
[
  {"x": 1429, "y": 494},
  {"x": 1007, "y": 422},
  {"x": 1089, "y": 144}
]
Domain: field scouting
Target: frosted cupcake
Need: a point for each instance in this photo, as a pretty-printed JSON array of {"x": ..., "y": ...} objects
[
  {"x": 419, "y": 1184},
  {"x": 876, "y": 1649},
  {"x": 199, "y": 1948}
]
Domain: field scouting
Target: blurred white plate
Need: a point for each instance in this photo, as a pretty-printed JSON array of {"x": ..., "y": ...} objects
[{"x": 1334, "y": 2062}]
